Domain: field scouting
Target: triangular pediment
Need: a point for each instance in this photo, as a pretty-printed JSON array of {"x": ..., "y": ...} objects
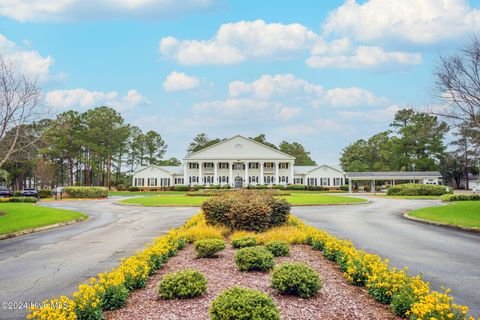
[{"x": 239, "y": 148}]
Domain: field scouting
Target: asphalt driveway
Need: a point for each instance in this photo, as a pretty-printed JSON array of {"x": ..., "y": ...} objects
[
  {"x": 52, "y": 263},
  {"x": 55, "y": 262},
  {"x": 445, "y": 256}
]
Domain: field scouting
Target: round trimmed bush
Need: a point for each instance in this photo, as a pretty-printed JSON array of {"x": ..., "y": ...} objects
[
  {"x": 244, "y": 242},
  {"x": 278, "y": 248},
  {"x": 254, "y": 259},
  {"x": 296, "y": 279},
  {"x": 184, "y": 284},
  {"x": 243, "y": 304},
  {"x": 208, "y": 248}
]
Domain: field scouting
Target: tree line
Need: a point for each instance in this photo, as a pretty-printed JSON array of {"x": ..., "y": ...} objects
[
  {"x": 416, "y": 139},
  {"x": 96, "y": 147}
]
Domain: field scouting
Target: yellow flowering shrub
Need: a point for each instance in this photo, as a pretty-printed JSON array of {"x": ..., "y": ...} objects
[
  {"x": 110, "y": 290},
  {"x": 437, "y": 305},
  {"x": 61, "y": 308}
]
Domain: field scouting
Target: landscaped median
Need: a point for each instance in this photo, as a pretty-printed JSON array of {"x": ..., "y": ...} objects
[
  {"x": 198, "y": 197},
  {"x": 22, "y": 218},
  {"x": 276, "y": 271}
]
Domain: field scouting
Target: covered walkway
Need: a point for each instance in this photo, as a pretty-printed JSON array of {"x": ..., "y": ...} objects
[{"x": 423, "y": 177}]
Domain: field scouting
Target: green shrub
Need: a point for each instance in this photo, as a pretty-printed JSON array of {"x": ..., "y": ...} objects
[
  {"x": 277, "y": 186},
  {"x": 17, "y": 193},
  {"x": 114, "y": 297},
  {"x": 208, "y": 248},
  {"x": 460, "y": 197},
  {"x": 182, "y": 285},
  {"x": 23, "y": 199},
  {"x": 344, "y": 187},
  {"x": 86, "y": 192},
  {"x": 402, "y": 301},
  {"x": 411, "y": 189},
  {"x": 244, "y": 242},
  {"x": 45, "y": 193},
  {"x": 133, "y": 189},
  {"x": 181, "y": 187},
  {"x": 243, "y": 304},
  {"x": 296, "y": 187},
  {"x": 261, "y": 186},
  {"x": 250, "y": 210},
  {"x": 316, "y": 188},
  {"x": 278, "y": 248},
  {"x": 296, "y": 279},
  {"x": 254, "y": 259}
]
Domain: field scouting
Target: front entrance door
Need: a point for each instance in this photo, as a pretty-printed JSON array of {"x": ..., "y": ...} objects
[{"x": 238, "y": 182}]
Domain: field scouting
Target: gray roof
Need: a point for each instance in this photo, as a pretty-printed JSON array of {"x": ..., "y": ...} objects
[
  {"x": 303, "y": 169},
  {"x": 169, "y": 169},
  {"x": 394, "y": 174},
  {"x": 307, "y": 169},
  {"x": 174, "y": 169}
]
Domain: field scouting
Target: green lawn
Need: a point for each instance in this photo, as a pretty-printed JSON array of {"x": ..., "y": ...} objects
[
  {"x": 461, "y": 213},
  {"x": 20, "y": 216},
  {"x": 295, "y": 199}
]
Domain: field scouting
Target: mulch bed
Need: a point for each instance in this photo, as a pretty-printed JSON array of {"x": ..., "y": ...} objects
[{"x": 336, "y": 300}]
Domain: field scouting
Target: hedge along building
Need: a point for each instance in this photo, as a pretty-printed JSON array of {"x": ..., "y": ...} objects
[{"x": 238, "y": 162}]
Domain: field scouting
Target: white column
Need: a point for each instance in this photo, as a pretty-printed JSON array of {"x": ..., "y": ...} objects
[
  {"x": 292, "y": 181},
  {"x": 276, "y": 172},
  {"x": 200, "y": 172},
  {"x": 245, "y": 182},
  {"x": 261, "y": 172},
  {"x": 215, "y": 173},
  {"x": 185, "y": 180},
  {"x": 230, "y": 173},
  {"x": 349, "y": 186}
]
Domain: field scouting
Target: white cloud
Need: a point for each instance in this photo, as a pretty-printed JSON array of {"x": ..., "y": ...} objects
[
  {"x": 268, "y": 86},
  {"x": 178, "y": 81},
  {"x": 247, "y": 108},
  {"x": 349, "y": 97},
  {"x": 362, "y": 57},
  {"x": 236, "y": 42},
  {"x": 313, "y": 127},
  {"x": 423, "y": 22},
  {"x": 61, "y": 10},
  {"x": 83, "y": 99},
  {"x": 289, "y": 86},
  {"x": 378, "y": 115},
  {"x": 27, "y": 62}
]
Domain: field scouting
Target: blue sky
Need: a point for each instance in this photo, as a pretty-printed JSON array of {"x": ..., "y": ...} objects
[{"x": 323, "y": 73}]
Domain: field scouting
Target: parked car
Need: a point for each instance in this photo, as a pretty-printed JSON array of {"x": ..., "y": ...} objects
[
  {"x": 5, "y": 192},
  {"x": 29, "y": 192}
]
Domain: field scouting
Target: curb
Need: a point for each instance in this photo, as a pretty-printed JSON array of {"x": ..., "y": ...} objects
[
  {"x": 441, "y": 224},
  {"x": 38, "y": 229}
]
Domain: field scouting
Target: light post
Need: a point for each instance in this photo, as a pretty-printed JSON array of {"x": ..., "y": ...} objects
[{"x": 413, "y": 166}]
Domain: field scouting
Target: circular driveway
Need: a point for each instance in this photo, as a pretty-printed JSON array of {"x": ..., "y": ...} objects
[{"x": 52, "y": 263}]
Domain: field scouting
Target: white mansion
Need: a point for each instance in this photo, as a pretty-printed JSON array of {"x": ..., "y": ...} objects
[{"x": 238, "y": 162}]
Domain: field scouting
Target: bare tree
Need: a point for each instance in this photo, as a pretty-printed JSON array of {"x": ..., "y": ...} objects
[
  {"x": 19, "y": 97},
  {"x": 458, "y": 85}
]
